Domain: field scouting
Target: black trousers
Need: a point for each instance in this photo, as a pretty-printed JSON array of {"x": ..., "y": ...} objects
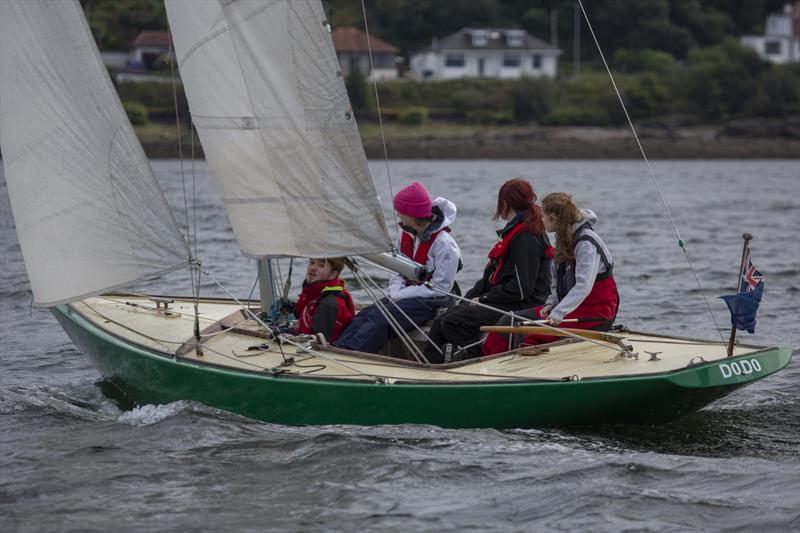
[{"x": 459, "y": 326}]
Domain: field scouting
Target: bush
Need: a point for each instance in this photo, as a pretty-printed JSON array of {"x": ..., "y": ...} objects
[
  {"x": 778, "y": 93},
  {"x": 489, "y": 117},
  {"x": 357, "y": 89},
  {"x": 155, "y": 97},
  {"x": 721, "y": 79},
  {"x": 137, "y": 113},
  {"x": 645, "y": 60},
  {"x": 413, "y": 116},
  {"x": 646, "y": 95},
  {"x": 531, "y": 99},
  {"x": 577, "y": 116}
]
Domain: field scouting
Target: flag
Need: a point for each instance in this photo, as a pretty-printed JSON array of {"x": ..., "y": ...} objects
[{"x": 744, "y": 304}]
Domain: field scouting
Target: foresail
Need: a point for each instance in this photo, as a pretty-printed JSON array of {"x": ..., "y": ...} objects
[
  {"x": 269, "y": 103},
  {"x": 88, "y": 210}
]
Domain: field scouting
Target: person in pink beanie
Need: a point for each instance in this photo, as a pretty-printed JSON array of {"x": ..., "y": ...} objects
[{"x": 425, "y": 238}]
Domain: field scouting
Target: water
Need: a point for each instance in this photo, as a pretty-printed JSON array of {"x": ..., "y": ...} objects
[{"x": 71, "y": 459}]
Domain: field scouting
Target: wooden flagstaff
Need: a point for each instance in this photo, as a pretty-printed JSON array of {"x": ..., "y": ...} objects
[{"x": 747, "y": 238}]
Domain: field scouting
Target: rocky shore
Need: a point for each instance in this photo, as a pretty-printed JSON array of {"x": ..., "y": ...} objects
[{"x": 741, "y": 140}]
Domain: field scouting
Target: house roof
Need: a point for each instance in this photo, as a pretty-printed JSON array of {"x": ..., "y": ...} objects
[
  {"x": 156, "y": 38},
  {"x": 353, "y": 40},
  {"x": 461, "y": 40}
]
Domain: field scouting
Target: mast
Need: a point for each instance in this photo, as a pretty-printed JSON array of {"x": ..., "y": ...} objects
[{"x": 265, "y": 285}]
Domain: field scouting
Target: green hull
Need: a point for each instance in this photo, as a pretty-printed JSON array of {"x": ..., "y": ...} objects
[{"x": 149, "y": 377}]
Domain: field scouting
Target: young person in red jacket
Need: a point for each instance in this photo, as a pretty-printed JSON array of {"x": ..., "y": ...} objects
[
  {"x": 581, "y": 275},
  {"x": 516, "y": 277},
  {"x": 324, "y": 305}
]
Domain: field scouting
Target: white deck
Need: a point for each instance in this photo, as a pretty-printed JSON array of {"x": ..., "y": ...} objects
[{"x": 136, "y": 319}]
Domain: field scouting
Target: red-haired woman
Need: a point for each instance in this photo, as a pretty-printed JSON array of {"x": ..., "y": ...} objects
[
  {"x": 582, "y": 282},
  {"x": 516, "y": 277}
]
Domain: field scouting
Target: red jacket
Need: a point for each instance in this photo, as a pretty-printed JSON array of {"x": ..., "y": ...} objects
[{"x": 314, "y": 308}]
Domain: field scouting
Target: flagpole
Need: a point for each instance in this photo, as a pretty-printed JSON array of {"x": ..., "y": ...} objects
[{"x": 747, "y": 238}]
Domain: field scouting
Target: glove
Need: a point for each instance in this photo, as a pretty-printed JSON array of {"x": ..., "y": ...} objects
[{"x": 287, "y": 306}]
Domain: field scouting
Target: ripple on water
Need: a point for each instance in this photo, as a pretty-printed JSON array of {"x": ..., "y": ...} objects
[{"x": 73, "y": 458}]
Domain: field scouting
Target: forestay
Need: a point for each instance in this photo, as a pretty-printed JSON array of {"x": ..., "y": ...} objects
[
  {"x": 268, "y": 101},
  {"x": 88, "y": 210}
]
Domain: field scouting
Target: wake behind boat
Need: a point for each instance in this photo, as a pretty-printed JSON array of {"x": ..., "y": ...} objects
[{"x": 272, "y": 113}]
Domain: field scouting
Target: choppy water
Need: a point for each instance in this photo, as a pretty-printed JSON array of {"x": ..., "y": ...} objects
[{"x": 71, "y": 459}]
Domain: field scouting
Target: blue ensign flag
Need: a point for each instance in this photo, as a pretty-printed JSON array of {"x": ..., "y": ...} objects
[{"x": 744, "y": 304}]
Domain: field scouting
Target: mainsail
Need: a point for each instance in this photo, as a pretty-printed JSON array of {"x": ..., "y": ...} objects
[
  {"x": 269, "y": 103},
  {"x": 88, "y": 210}
]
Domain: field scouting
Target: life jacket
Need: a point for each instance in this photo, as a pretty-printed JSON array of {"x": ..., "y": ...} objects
[
  {"x": 604, "y": 288},
  {"x": 421, "y": 254},
  {"x": 499, "y": 252},
  {"x": 309, "y": 300}
]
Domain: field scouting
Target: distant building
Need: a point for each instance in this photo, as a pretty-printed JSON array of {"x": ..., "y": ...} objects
[
  {"x": 352, "y": 49},
  {"x": 115, "y": 60},
  {"x": 781, "y": 40},
  {"x": 148, "y": 46},
  {"x": 486, "y": 53}
]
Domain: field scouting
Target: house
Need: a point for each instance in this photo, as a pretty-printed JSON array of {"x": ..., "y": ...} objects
[
  {"x": 115, "y": 60},
  {"x": 148, "y": 46},
  {"x": 353, "y": 47},
  {"x": 781, "y": 40},
  {"x": 486, "y": 53}
]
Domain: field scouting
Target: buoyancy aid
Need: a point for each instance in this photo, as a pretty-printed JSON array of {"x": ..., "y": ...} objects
[
  {"x": 565, "y": 270},
  {"x": 309, "y": 300},
  {"x": 420, "y": 255},
  {"x": 603, "y": 299},
  {"x": 499, "y": 252}
]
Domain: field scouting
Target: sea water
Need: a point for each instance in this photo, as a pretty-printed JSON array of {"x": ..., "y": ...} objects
[{"x": 72, "y": 459}]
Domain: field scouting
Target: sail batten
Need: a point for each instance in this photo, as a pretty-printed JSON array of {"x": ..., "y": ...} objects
[
  {"x": 267, "y": 98},
  {"x": 88, "y": 210}
]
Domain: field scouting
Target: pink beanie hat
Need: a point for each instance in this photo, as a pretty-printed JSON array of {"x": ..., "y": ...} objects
[{"x": 413, "y": 201}]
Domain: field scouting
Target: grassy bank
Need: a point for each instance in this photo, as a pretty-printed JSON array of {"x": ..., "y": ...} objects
[{"x": 453, "y": 141}]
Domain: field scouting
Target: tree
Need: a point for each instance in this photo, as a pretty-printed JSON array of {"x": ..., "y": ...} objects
[
  {"x": 721, "y": 79},
  {"x": 356, "y": 86}
]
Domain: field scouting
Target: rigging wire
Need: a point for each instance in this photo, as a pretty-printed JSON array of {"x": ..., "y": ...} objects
[
  {"x": 287, "y": 341},
  {"x": 194, "y": 263},
  {"x": 391, "y": 319},
  {"x": 180, "y": 143},
  {"x": 378, "y": 105},
  {"x": 681, "y": 242}
]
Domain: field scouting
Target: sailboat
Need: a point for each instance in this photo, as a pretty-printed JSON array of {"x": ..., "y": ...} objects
[{"x": 269, "y": 104}]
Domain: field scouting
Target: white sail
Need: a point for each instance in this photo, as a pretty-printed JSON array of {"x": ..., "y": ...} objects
[
  {"x": 270, "y": 106},
  {"x": 88, "y": 210}
]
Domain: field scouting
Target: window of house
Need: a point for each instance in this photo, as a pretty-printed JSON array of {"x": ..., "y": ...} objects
[
  {"x": 537, "y": 61},
  {"x": 479, "y": 38},
  {"x": 514, "y": 38},
  {"x": 510, "y": 61},
  {"x": 772, "y": 48},
  {"x": 454, "y": 60}
]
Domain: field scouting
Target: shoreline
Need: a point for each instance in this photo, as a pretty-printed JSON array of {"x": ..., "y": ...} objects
[{"x": 542, "y": 143}]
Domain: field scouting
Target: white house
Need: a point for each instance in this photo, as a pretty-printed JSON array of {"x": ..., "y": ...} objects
[
  {"x": 781, "y": 40},
  {"x": 486, "y": 53},
  {"x": 147, "y": 48},
  {"x": 353, "y": 50}
]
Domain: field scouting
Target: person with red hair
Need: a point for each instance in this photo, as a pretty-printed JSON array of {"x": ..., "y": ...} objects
[
  {"x": 582, "y": 282},
  {"x": 516, "y": 277}
]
